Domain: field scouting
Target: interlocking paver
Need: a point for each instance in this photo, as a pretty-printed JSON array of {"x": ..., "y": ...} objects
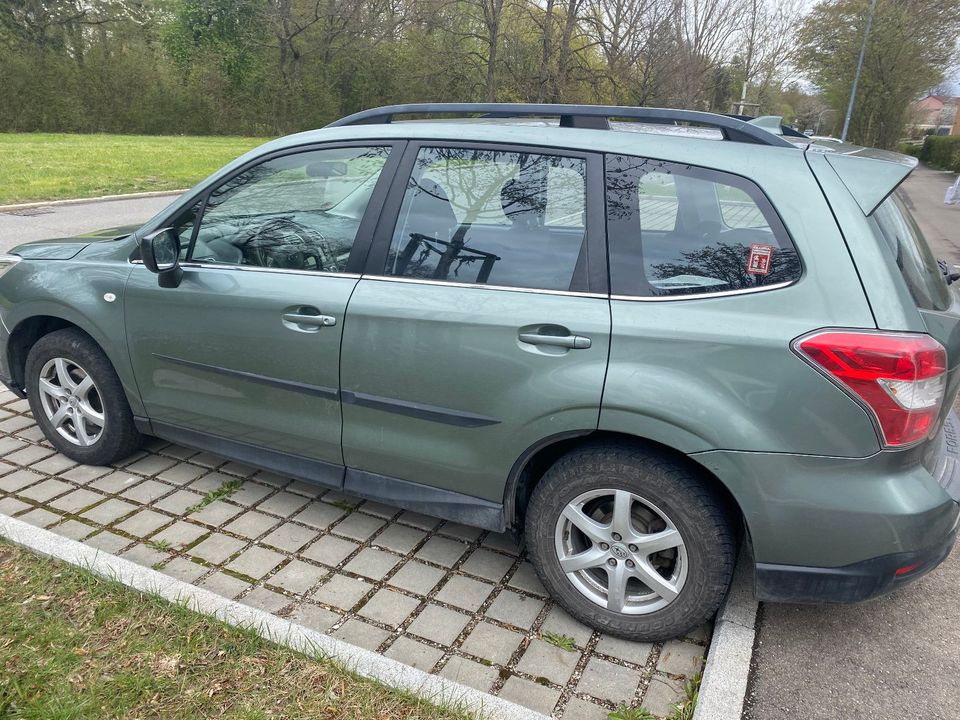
[
  {"x": 400, "y": 538},
  {"x": 178, "y": 501},
  {"x": 14, "y": 481},
  {"x": 530, "y": 694},
  {"x": 379, "y": 509},
  {"x": 116, "y": 482},
  {"x": 179, "y": 452},
  {"x": 180, "y": 534},
  {"x": 442, "y": 551},
  {"x": 251, "y": 524},
  {"x": 330, "y": 550},
  {"x": 492, "y": 643},
  {"x": 183, "y": 569},
  {"x": 146, "y": 492},
  {"x": 40, "y": 517},
  {"x": 559, "y": 622},
  {"x": 486, "y": 564},
  {"x": 633, "y": 652},
  {"x": 417, "y": 577},
  {"x": 74, "y": 529},
  {"x": 439, "y": 624},
  {"x": 83, "y": 474},
  {"x": 216, "y": 548},
  {"x": 314, "y": 617},
  {"x": 224, "y": 584},
  {"x": 464, "y": 592},
  {"x": 266, "y": 600},
  {"x": 463, "y": 532},
  {"x": 216, "y": 513},
  {"x": 358, "y": 526},
  {"x": 602, "y": 679},
  {"x": 107, "y": 541},
  {"x": 181, "y": 473},
  {"x": 319, "y": 515},
  {"x": 11, "y": 506},
  {"x": 371, "y": 563},
  {"x": 307, "y": 489},
  {"x": 525, "y": 578},
  {"x": 425, "y": 522},
  {"x": 504, "y": 542},
  {"x": 43, "y": 491},
  {"x": 298, "y": 576},
  {"x": 389, "y": 607},
  {"x": 28, "y": 455},
  {"x": 272, "y": 479},
  {"x": 210, "y": 482},
  {"x": 541, "y": 659},
  {"x": 250, "y": 493},
  {"x": 109, "y": 511},
  {"x": 208, "y": 460},
  {"x": 514, "y": 609},
  {"x": 662, "y": 694},
  {"x": 290, "y": 537},
  {"x": 578, "y": 709},
  {"x": 8, "y": 468},
  {"x": 255, "y": 562},
  {"x": 283, "y": 504},
  {"x": 680, "y": 658},
  {"x": 342, "y": 591},
  {"x": 468, "y": 672},
  {"x": 144, "y": 555},
  {"x": 235, "y": 468},
  {"x": 361, "y": 634},
  {"x": 54, "y": 464},
  {"x": 151, "y": 465},
  {"x": 413, "y": 653},
  {"x": 76, "y": 501},
  {"x": 143, "y": 523}
]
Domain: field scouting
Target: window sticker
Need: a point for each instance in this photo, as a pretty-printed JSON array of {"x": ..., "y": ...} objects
[{"x": 758, "y": 263}]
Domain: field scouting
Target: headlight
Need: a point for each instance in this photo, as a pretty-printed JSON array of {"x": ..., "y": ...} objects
[{"x": 7, "y": 262}]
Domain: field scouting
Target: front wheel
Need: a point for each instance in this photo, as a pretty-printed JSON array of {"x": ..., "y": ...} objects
[
  {"x": 78, "y": 400},
  {"x": 630, "y": 542}
]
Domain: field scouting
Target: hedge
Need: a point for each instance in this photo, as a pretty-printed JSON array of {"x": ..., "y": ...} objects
[{"x": 942, "y": 151}]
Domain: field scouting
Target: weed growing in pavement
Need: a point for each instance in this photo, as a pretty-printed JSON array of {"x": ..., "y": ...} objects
[
  {"x": 683, "y": 710},
  {"x": 628, "y": 713},
  {"x": 225, "y": 490},
  {"x": 564, "y": 642}
]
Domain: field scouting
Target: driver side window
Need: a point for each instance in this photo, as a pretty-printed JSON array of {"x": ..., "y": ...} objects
[{"x": 294, "y": 212}]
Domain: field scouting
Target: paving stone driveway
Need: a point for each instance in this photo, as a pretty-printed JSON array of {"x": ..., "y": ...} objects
[{"x": 445, "y": 598}]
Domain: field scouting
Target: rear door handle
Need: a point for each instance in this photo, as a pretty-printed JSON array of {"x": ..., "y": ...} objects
[{"x": 573, "y": 342}]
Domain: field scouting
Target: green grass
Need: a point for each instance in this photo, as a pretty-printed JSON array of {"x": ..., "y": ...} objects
[
  {"x": 46, "y": 166},
  {"x": 564, "y": 642},
  {"x": 74, "y": 646},
  {"x": 226, "y": 489}
]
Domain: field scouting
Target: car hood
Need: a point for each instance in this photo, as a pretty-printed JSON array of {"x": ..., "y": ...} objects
[{"x": 68, "y": 247}]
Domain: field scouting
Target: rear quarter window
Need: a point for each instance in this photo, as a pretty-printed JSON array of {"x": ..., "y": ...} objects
[
  {"x": 911, "y": 253},
  {"x": 679, "y": 230}
]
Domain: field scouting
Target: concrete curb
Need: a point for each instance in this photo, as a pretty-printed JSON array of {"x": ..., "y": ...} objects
[
  {"x": 270, "y": 627},
  {"x": 724, "y": 685},
  {"x": 81, "y": 201}
]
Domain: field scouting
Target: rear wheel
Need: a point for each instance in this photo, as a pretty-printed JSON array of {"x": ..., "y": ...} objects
[
  {"x": 630, "y": 541},
  {"x": 77, "y": 399}
]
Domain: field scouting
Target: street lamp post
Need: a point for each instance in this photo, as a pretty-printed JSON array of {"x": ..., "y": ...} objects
[
  {"x": 856, "y": 76},
  {"x": 816, "y": 130}
]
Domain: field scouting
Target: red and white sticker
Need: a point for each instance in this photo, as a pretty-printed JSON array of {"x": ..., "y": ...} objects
[{"x": 759, "y": 261}]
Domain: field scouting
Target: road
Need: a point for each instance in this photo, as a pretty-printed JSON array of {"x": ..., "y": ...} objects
[
  {"x": 894, "y": 657},
  {"x": 50, "y": 221}
]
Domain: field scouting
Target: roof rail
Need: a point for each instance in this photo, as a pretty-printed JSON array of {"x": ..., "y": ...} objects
[{"x": 578, "y": 116}]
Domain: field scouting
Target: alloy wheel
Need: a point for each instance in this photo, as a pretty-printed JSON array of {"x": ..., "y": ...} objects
[
  {"x": 621, "y": 551},
  {"x": 71, "y": 401}
]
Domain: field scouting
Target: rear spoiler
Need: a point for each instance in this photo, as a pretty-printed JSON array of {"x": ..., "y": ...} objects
[{"x": 870, "y": 175}]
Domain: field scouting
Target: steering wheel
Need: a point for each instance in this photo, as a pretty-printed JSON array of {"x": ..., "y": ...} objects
[{"x": 271, "y": 245}]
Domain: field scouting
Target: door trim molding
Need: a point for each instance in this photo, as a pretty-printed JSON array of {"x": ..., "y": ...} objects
[
  {"x": 291, "y": 385},
  {"x": 421, "y": 411}
]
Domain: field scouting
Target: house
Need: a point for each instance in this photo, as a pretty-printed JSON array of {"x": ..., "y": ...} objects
[{"x": 936, "y": 114}]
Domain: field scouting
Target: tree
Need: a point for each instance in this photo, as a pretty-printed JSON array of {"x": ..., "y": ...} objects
[{"x": 910, "y": 46}]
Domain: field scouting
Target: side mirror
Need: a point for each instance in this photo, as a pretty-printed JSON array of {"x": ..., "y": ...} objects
[{"x": 160, "y": 252}]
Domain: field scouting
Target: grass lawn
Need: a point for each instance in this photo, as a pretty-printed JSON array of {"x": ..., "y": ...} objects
[
  {"x": 75, "y": 646},
  {"x": 48, "y": 166}
]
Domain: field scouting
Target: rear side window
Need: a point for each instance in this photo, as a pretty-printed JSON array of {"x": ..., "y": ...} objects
[
  {"x": 678, "y": 230},
  {"x": 491, "y": 217},
  {"x": 914, "y": 259}
]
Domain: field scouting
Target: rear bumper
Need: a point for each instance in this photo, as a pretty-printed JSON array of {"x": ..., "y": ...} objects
[
  {"x": 839, "y": 529},
  {"x": 850, "y": 583}
]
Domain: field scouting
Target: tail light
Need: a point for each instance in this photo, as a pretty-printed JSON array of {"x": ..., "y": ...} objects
[{"x": 900, "y": 378}]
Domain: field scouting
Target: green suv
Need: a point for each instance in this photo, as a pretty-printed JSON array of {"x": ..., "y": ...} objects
[{"x": 640, "y": 337}]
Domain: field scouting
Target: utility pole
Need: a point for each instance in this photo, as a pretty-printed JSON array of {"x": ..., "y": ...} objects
[{"x": 856, "y": 76}]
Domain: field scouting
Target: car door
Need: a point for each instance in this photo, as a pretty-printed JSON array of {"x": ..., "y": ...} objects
[
  {"x": 244, "y": 354},
  {"x": 481, "y": 325}
]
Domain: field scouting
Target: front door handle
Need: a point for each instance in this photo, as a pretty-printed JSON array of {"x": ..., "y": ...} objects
[
  {"x": 306, "y": 319},
  {"x": 572, "y": 342}
]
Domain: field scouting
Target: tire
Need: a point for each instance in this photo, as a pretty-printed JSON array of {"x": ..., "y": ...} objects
[
  {"x": 663, "y": 497},
  {"x": 81, "y": 384}
]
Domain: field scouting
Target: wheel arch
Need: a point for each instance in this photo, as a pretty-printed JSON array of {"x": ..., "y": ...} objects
[{"x": 530, "y": 467}]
